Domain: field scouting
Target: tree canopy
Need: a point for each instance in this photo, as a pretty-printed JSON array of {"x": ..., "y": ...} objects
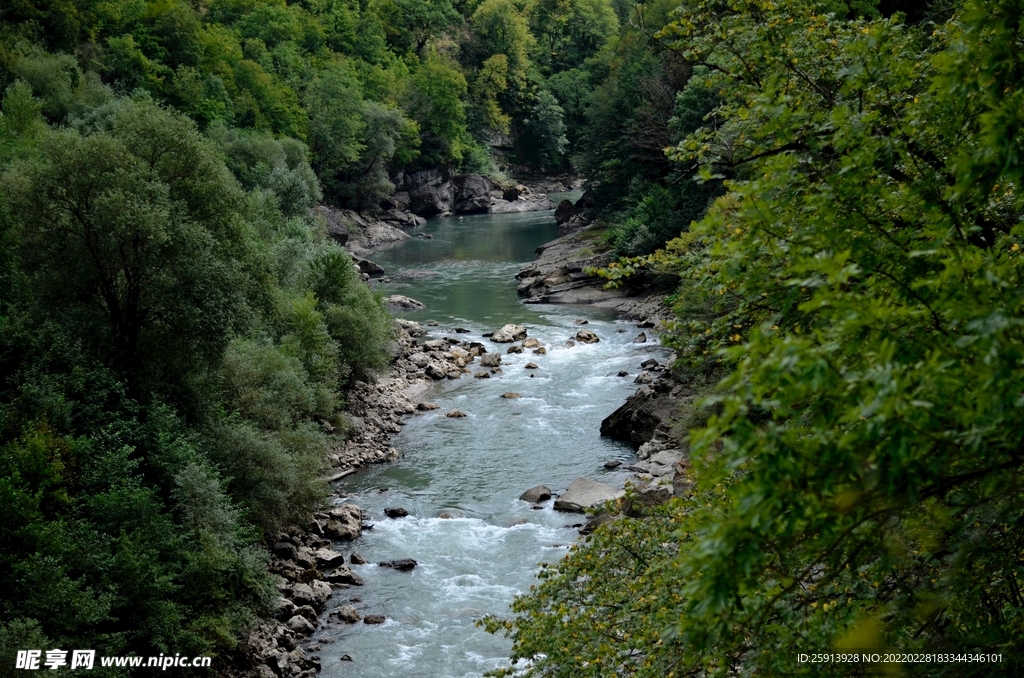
[{"x": 857, "y": 292}]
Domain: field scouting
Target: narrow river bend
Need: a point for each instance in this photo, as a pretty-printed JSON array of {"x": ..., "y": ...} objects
[{"x": 478, "y": 466}]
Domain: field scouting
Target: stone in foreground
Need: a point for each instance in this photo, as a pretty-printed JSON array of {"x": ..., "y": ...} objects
[
  {"x": 402, "y": 564},
  {"x": 535, "y": 495},
  {"x": 584, "y": 493}
]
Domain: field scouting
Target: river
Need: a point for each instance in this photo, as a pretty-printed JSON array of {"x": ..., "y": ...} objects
[{"x": 478, "y": 466}]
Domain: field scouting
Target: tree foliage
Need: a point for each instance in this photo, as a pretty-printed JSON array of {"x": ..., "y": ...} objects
[{"x": 857, "y": 484}]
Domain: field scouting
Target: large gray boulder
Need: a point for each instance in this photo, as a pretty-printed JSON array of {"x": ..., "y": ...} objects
[
  {"x": 509, "y": 333},
  {"x": 472, "y": 194},
  {"x": 584, "y": 493}
]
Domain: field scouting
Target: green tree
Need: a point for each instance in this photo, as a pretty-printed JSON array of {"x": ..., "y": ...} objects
[
  {"x": 435, "y": 101},
  {"x": 336, "y": 126},
  {"x": 856, "y": 484},
  {"x": 133, "y": 237},
  {"x": 499, "y": 27},
  {"x": 570, "y": 32},
  {"x": 412, "y": 24},
  {"x": 546, "y": 131}
]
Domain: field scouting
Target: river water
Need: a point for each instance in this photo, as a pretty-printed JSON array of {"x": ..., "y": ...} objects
[{"x": 478, "y": 466}]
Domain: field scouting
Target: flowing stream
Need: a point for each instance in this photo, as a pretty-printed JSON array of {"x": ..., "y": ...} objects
[{"x": 478, "y": 466}]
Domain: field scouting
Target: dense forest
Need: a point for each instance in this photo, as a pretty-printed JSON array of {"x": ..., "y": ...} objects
[
  {"x": 176, "y": 332},
  {"x": 832, "y": 185},
  {"x": 851, "y": 308}
]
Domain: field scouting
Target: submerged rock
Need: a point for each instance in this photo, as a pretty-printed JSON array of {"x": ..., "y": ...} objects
[
  {"x": 510, "y": 394},
  {"x": 373, "y": 619},
  {"x": 455, "y": 414},
  {"x": 395, "y": 512},
  {"x": 402, "y": 564}
]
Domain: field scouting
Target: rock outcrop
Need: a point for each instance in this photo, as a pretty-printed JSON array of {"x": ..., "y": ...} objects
[
  {"x": 647, "y": 412},
  {"x": 584, "y": 493}
]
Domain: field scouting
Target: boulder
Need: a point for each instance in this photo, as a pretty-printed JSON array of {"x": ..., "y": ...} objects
[
  {"x": 344, "y": 575},
  {"x": 472, "y": 194},
  {"x": 612, "y": 464},
  {"x": 426, "y": 407},
  {"x": 346, "y": 614},
  {"x": 429, "y": 200},
  {"x": 344, "y": 522},
  {"x": 482, "y": 375},
  {"x": 646, "y": 497},
  {"x": 508, "y": 334},
  {"x": 514, "y": 348},
  {"x": 587, "y": 337},
  {"x": 535, "y": 495},
  {"x": 455, "y": 414},
  {"x": 368, "y": 267},
  {"x": 300, "y": 625},
  {"x": 584, "y": 493},
  {"x": 644, "y": 377},
  {"x": 413, "y": 328},
  {"x": 640, "y": 338},
  {"x": 649, "y": 364},
  {"x": 307, "y": 612},
  {"x": 540, "y": 351},
  {"x": 490, "y": 360},
  {"x": 531, "y": 343},
  {"x": 328, "y": 558},
  {"x": 357, "y": 559},
  {"x": 564, "y": 212},
  {"x": 398, "y": 302},
  {"x": 395, "y": 512},
  {"x": 651, "y": 408},
  {"x": 402, "y": 564},
  {"x": 510, "y": 394},
  {"x": 285, "y": 609},
  {"x": 374, "y": 619},
  {"x": 284, "y": 550},
  {"x": 305, "y": 594},
  {"x": 436, "y": 370},
  {"x": 530, "y": 366}
]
